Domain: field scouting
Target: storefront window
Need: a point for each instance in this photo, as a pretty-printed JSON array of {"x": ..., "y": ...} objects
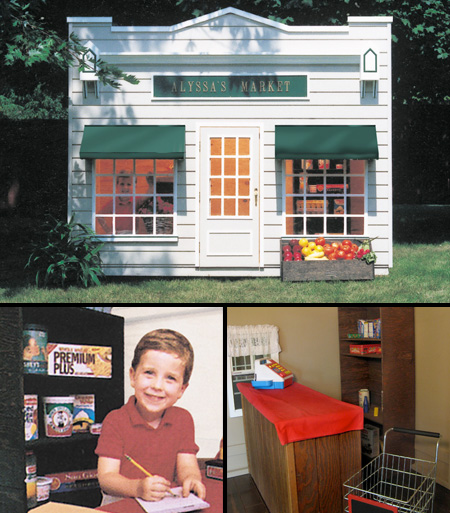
[
  {"x": 324, "y": 197},
  {"x": 134, "y": 196}
]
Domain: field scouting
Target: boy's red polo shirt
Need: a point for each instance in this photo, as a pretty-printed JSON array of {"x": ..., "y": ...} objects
[{"x": 124, "y": 431}]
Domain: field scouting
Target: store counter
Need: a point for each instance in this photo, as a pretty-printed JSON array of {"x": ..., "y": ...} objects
[{"x": 301, "y": 446}]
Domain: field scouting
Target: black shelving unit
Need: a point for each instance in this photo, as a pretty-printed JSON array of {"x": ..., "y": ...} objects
[{"x": 69, "y": 325}]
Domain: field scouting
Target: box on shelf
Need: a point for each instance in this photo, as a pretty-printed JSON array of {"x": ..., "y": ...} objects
[
  {"x": 370, "y": 329},
  {"x": 365, "y": 348},
  {"x": 73, "y": 480},
  {"x": 76, "y": 360},
  {"x": 83, "y": 412},
  {"x": 370, "y": 440}
]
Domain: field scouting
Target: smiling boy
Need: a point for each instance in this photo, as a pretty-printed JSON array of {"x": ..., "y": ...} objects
[{"x": 158, "y": 435}]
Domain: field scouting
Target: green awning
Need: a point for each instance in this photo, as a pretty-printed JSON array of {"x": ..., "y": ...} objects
[
  {"x": 125, "y": 142},
  {"x": 326, "y": 142}
]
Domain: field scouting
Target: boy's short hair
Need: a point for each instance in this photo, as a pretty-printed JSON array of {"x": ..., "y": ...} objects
[{"x": 168, "y": 341}]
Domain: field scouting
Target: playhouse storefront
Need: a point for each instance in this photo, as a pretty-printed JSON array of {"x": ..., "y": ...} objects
[{"x": 242, "y": 132}]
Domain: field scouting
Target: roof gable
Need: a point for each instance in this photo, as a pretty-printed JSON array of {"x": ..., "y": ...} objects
[{"x": 226, "y": 18}]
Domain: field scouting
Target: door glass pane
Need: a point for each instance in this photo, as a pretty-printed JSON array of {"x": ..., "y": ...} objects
[{"x": 229, "y": 196}]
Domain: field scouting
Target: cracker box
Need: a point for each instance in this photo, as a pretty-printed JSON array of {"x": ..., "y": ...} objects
[
  {"x": 82, "y": 361},
  {"x": 73, "y": 480}
]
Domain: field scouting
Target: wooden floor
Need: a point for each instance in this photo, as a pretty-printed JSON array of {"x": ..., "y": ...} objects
[{"x": 243, "y": 497}]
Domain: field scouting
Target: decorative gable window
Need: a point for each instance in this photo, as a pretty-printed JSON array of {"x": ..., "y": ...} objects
[
  {"x": 88, "y": 76},
  {"x": 369, "y": 73}
]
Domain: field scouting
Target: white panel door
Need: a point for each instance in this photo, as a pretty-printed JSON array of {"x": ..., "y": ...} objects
[{"x": 229, "y": 197}]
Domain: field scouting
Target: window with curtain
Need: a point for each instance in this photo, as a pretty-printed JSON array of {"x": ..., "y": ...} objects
[{"x": 245, "y": 344}]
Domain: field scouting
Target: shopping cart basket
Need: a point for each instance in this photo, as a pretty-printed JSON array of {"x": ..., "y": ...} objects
[{"x": 407, "y": 484}]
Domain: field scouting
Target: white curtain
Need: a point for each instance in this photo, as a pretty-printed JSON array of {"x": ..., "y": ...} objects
[{"x": 246, "y": 340}]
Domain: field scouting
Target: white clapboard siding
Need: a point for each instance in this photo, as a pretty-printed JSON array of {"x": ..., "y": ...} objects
[{"x": 223, "y": 43}]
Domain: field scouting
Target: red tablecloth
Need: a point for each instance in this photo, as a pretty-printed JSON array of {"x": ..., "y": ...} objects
[
  {"x": 214, "y": 495},
  {"x": 300, "y": 413}
]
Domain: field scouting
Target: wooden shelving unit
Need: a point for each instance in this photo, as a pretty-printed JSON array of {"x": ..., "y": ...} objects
[
  {"x": 64, "y": 325},
  {"x": 389, "y": 376}
]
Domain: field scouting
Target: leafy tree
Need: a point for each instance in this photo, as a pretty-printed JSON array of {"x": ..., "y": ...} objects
[
  {"x": 26, "y": 39},
  {"x": 37, "y": 105},
  {"x": 421, "y": 34}
]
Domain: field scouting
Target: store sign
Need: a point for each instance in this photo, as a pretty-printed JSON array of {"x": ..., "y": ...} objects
[{"x": 234, "y": 86}]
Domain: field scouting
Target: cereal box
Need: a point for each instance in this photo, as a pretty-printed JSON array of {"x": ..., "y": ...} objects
[
  {"x": 31, "y": 417},
  {"x": 370, "y": 329},
  {"x": 83, "y": 412},
  {"x": 83, "y": 361}
]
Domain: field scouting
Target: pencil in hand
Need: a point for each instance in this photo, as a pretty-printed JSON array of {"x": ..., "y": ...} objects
[{"x": 146, "y": 472}]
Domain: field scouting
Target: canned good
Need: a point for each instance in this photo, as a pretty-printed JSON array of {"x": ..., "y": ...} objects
[
  {"x": 364, "y": 393},
  {"x": 35, "y": 349},
  {"x": 30, "y": 471},
  {"x": 58, "y": 416}
]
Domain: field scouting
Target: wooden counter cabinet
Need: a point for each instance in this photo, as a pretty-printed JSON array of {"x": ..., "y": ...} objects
[{"x": 299, "y": 477}]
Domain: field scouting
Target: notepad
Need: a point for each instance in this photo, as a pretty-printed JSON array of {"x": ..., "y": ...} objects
[{"x": 174, "y": 504}]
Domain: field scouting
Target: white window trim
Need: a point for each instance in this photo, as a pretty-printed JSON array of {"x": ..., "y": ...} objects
[
  {"x": 344, "y": 216},
  {"x": 173, "y": 237},
  {"x": 233, "y": 412}
]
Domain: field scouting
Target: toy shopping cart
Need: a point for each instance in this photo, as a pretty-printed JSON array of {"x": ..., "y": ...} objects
[{"x": 394, "y": 483}]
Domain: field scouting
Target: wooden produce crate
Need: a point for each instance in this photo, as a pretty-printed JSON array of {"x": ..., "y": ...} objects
[{"x": 332, "y": 270}]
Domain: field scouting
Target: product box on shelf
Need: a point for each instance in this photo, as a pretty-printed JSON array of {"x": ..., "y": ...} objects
[
  {"x": 370, "y": 441},
  {"x": 83, "y": 361},
  {"x": 370, "y": 329},
  {"x": 365, "y": 348}
]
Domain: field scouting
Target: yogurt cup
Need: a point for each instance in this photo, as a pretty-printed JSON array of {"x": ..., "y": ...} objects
[
  {"x": 58, "y": 413},
  {"x": 43, "y": 488}
]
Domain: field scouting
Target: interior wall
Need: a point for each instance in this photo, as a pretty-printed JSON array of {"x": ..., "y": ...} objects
[
  {"x": 433, "y": 385},
  {"x": 308, "y": 339},
  {"x": 203, "y": 327},
  {"x": 309, "y": 342}
]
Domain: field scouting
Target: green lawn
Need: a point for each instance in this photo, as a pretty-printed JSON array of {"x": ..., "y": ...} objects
[{"x": 421, "y": 274}]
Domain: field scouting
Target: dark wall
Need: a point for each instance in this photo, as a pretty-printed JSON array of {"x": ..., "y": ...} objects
[
  {"x": 421, "y": 154},
  {"x": 33, "y": 155}
]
